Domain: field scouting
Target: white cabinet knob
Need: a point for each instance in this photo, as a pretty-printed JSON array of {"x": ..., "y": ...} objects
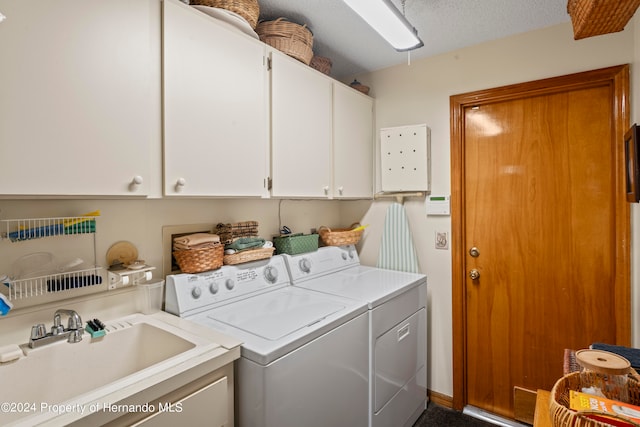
[
  {"x": 180, "y": 183},
  {"x": 135, "y": 182},
  {"x": 340, "y": 190},
  {"x": 326, "y": 189}
]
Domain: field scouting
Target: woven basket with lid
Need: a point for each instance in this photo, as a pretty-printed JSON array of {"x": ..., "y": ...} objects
[
  {"x": 293, "y": 39},
  {"x": 248, "y": 9}
]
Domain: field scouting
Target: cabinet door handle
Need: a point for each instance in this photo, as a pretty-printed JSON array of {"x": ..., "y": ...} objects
[
  {"x": 340, "y": 190},
  {"x": 135, "y": 183},
  {"x": 326, "y": 189},
  {"x": 180, "y": 183}
]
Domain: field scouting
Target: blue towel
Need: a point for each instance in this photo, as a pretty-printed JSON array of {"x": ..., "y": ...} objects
[
  {"x": 34, "y": 233},
  {"x": 396, "y": 249}
]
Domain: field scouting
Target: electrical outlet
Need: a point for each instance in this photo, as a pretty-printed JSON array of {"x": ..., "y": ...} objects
[{"x": 442, "y": 240}]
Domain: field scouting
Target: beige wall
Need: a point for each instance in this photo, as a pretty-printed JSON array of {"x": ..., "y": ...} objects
[{"x": 420, "y": 93}]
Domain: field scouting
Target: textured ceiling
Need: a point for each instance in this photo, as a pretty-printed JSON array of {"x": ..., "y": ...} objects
[{"x": 443, "y": 26}]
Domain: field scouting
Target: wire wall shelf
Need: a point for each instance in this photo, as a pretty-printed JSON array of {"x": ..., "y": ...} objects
[
  {"x": 35, "y": 286},
  {"x": 57, "y": 278},
  {"x": 17, "y": 230}
]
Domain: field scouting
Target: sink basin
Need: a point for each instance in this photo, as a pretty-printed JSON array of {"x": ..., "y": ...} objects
[{"x": 133, "y": 349}]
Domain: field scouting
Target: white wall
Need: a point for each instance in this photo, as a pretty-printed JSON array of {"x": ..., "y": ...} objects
[{"x": 420, "y": 93}]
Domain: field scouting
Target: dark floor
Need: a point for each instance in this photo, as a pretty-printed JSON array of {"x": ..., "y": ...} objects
[{"x": 438, "y": 416}]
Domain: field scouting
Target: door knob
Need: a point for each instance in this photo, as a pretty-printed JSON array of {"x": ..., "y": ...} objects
[
  {"x": 474, "y": 252},
  {"x": 474, "y": 274}
]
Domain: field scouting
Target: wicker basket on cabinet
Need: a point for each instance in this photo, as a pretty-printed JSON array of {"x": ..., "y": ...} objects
[
  {"x": 596, "y": 17},
  {"x": 248, "y": 9},
  {"x": 293, "y": 39}
]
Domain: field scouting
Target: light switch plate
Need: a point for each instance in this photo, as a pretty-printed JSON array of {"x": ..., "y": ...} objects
[{"x": 442, "y": 240}]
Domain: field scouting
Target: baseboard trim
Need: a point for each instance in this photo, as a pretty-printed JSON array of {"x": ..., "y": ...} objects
[{"x": 440, "y": 399}]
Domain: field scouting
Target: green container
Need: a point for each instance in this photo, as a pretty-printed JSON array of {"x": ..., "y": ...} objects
[{"x": 293, "y": 244}]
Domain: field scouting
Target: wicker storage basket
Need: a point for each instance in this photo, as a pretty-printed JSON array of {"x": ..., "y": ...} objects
[
  {"x": 247, "y": 256},
  {"x": 199, "y": 260},
  {"x": 296, "y": 243},
  {"x": 340, "y": 236},
  {"x": 248, "y": 9},
  {"x": 562, "y": 416},
  {"x": 322, "y": 64},
  {"x": 293, "y": 39},
  {"x": 595, "y": 17}
]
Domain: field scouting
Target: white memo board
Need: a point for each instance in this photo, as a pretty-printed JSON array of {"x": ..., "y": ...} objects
[{"x": 405, "y": 158}]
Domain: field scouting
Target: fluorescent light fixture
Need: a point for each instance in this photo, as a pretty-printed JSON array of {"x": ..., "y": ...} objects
[
  {"x": 2, "y": 17},
  {"x": 387, "y": 20}
]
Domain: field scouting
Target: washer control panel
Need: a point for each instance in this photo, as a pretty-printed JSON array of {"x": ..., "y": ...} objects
[
  {"x": 325, "y": 260},
  {"x": 190, "y": 293}
]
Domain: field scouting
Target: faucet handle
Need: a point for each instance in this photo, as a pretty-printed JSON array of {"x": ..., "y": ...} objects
[
  {"x": 75, "y": 322},
  {"x": 38, "y": 331}
]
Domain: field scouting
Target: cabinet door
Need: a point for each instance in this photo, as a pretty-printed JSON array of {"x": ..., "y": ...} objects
[
  {"x": 301, "y": 129},
  {"x": 353, "y": 143},
  {"x": 215, "y": 120},
  {"x": 77, "y": 97},
  {"x": 206, "y": 407}
]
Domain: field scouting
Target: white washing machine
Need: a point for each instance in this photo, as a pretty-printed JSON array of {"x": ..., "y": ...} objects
[
  {"x": 304, "y": 358},
  {"x": 396, "y": 304}
]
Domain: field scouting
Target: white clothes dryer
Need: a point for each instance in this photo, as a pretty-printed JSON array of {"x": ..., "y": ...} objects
[
  {"x": 304, "y": 357},
  {"x": 396, "y": 304}
]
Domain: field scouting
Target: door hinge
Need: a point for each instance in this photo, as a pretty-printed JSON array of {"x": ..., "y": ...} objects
[
  {"x": 268, "y": 63},
  {"x": 268, "y": 183}
]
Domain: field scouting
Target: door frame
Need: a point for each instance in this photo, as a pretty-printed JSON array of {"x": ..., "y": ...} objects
[{"x": 617, "y": 78}]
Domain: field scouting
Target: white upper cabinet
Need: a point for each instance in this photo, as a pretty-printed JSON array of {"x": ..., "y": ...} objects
[
  {"x": 78, "y": 94},
  {"x": 352, "y": 143},
  {"x": 215, "y": 107},
  {"x": 301, "y": 129}
]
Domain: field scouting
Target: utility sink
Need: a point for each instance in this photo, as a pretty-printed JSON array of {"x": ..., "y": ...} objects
[{"x": 133, "y": 349}]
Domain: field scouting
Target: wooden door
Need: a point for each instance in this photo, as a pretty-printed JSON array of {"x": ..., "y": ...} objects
[{"x": 538, "y": 179}]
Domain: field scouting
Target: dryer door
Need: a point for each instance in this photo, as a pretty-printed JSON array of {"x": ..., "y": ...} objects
[{"x": 398, "y": 355}]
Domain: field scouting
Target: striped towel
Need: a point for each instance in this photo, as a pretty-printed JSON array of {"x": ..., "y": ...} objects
[{"x": 396, "y": 249}]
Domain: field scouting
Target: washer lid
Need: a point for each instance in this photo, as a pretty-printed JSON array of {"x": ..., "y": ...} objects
[
  {"x": 276, "y": 317},
  {"x": 370, "y": 284},
  {"x": 273, "y": 324}
]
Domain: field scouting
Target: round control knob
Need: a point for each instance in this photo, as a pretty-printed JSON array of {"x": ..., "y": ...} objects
[
  {"x": 230, "y": 284},
  {"x": 196, "y": 293},
  {"x": 213, "y": 288},
  {"x": 305, "y": 265},
  {"x": 344, "y": 256},
  {"x": 270, "y": 274},
  {"x": 352, "y": 254}
]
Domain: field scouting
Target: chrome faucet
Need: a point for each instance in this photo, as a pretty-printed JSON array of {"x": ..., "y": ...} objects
[{"x": 73, "y": 331}]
